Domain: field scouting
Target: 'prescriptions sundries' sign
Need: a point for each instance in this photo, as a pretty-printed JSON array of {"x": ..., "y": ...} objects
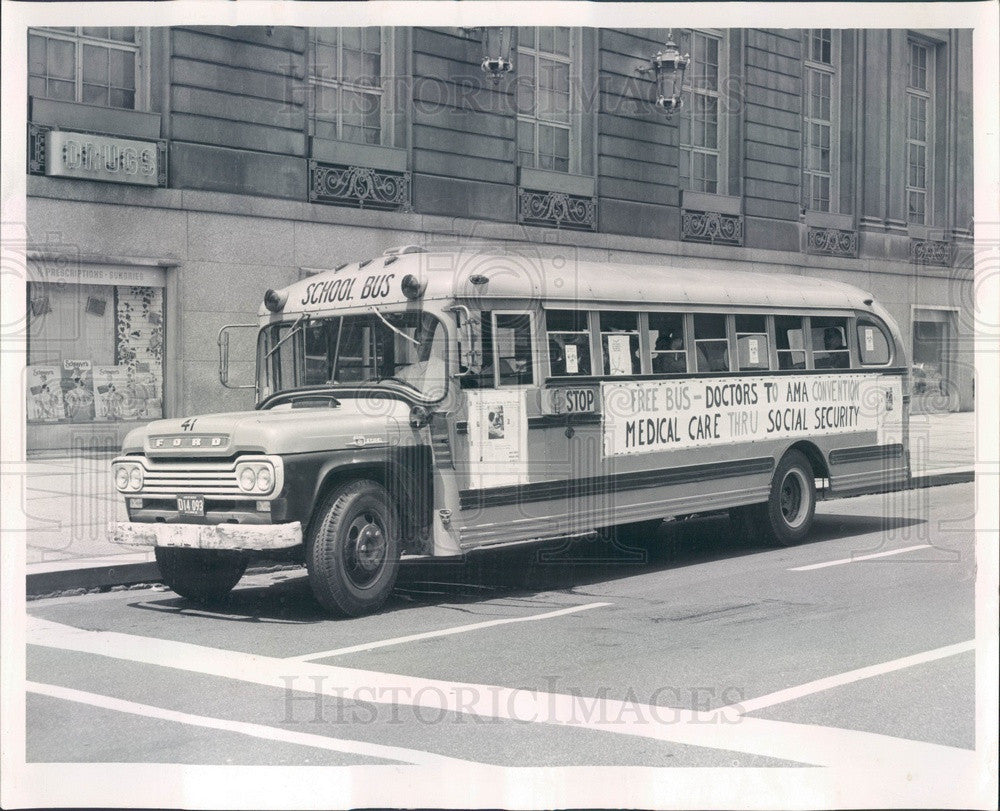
[{"x": 662, "y": 415}]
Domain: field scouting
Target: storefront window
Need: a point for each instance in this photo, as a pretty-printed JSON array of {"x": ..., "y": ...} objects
[{"x": 95, "y": 353}]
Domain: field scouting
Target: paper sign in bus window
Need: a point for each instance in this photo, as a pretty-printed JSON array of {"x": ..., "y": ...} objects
[
  {"x": 572, "y": 362},
  {"x": 619, "y": 357},
  {"x": 869, "y": 339},
  {"x": 753, "y": 350}
]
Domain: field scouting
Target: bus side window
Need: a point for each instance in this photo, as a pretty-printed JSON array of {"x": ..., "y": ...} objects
[
  {"x": 872, "y": 344},
  {"x": 568, "y": 337},
  {"x": 666, "y": 342},
  {"x": 829, "y": 343},
  {"x": 711, "y": 342},
  {"x": 788, "y": 340},
  {"x": 620, "y": 342},
  {"x": 513, "y": 350},
  {"x": 751, "y": 342}
]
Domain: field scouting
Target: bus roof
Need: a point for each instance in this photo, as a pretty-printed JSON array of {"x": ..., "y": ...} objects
[{"x": 477, "y": 276}]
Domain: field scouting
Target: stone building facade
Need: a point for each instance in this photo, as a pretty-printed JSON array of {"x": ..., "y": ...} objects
[{"x": 176, "y": 173}]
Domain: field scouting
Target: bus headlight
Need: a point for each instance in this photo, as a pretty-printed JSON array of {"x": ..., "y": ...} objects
[
  {"x": 128, "y": 477},
  {"x": 121, "y": 478},
  {"x": 255, "y": 477}
]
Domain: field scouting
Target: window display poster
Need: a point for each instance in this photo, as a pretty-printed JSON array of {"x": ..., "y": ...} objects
[
  {"x": 44, "y": 390},
  {"x": 78, "y": 390},
  {"x": 114, "y": 397},
  {"x": 123, "y": 394},
  {"x": 498, "y": 438}
]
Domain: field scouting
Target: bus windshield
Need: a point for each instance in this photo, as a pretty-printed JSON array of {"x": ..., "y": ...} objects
[{"x": 406, "y": 349}]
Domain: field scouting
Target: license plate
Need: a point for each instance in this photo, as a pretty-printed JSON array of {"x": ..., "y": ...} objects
[{"x": 191, "y": 505}]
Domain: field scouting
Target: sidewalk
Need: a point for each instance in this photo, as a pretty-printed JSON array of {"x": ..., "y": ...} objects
[{"x": 67, "y": 503}]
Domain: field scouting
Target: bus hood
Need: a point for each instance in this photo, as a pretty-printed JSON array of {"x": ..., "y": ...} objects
[{"x": 354, "y": 423}]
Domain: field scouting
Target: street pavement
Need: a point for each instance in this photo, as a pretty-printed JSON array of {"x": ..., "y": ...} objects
[
  {"x": 851, "y": 651},
  {"x": 68, "y": 501}
]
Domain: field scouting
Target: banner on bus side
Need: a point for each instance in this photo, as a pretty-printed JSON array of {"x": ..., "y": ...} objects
[{"x": 661, "y": 415}]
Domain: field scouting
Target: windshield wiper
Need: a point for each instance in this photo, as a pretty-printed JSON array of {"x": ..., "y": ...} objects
[
  {"x": 295, "y": 328},
  {"x": 395, "y": 329}
]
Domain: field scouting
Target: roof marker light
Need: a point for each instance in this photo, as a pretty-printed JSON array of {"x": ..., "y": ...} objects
[
  {"x": 478, "y": 278},
  {"x": 275, "y": 300},
  {"x": 412, "y": 287}
]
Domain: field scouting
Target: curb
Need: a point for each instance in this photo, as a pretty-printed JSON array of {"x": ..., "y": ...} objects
[
  {"x": 106, "y": 573},
  {"x": 937, "y": 478},
  {"x": 86, "y": 576}
]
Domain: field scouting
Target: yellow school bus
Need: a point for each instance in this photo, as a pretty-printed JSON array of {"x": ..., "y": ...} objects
[{"x": 428, "y": 403}]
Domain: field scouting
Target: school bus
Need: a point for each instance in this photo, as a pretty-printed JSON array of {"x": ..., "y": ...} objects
[{"x": 426, "y": 403}]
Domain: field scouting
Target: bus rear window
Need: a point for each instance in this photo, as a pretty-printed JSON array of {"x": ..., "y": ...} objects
[{"x": 873, "y": 346}]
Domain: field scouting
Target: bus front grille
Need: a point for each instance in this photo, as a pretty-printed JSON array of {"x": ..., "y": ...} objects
[{"x": 190, "y": 478}]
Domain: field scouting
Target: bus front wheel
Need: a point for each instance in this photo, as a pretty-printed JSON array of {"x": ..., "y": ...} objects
[
  {"x": 787, "y": 516},
  {"x": 202, "y": 575},
  {"x": 353, "y": 549}
]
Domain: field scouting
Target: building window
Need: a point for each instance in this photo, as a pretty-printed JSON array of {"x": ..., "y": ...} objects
[
  {"x": 349, "y": 97},
  {"x": 919, "y": 131},
  {"x": 90, "y": 65},
  {"x": 819, "y": 130},
  {"x": 546, "y": 137},
  {"x": 701, "y": 136}
]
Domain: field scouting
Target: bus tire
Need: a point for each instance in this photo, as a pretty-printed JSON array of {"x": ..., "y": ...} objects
[
  {"x": 353, "y": 549},
  {"x": 787, "y": 516},
  {"x": 202, "y": 575}
]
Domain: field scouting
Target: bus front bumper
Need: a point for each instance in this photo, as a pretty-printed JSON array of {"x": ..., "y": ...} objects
[{"x": 249, "y": 537}]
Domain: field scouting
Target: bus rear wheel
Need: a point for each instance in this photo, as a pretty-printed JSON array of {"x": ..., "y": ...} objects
[
  {"x": 787, "y": 517},
  {"x": 353, "y": 549},
  {"x": 202, "y": 575}
]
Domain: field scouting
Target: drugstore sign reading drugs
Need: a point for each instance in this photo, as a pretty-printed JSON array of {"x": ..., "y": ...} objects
[
  {"x": 659, "y": 415},
  {"x": 99, "y": 157}
]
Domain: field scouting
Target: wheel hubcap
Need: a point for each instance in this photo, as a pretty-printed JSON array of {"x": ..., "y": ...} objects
[
  {"x": 792, "y": 499},
  {"x": 366, "y": 548}
]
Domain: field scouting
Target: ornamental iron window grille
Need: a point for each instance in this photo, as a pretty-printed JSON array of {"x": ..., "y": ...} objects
[
  {"x": 931, "y": 252},
  {"x": 832, "y": 242},
  {"x": 712, "y": 227},
  {"x": 359, "y": 187},
  {"x": 556, "y": 210}
]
